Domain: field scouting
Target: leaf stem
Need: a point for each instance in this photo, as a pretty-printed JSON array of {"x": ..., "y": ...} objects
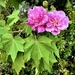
[{"x": 19, "y": 31}]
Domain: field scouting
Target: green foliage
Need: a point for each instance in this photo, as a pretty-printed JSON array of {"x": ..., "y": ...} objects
[
  {"x": 2, "y": 57},
  {"x": 12, "y": 45},
  {"x": 40, "y": 50},
  {"x": 13, "y": 18},
  {"x": 1, "y": 46},
  {"x": 26, "y": 29},
  {"x": 13, "y": 3},
  {"x": 20, "y": 45},
  {"x": 2, "y": 2},
  {"x": 2, "y": 27},
  {"x": 25, "y": 52},
  {"x": 18, "y": 64}
]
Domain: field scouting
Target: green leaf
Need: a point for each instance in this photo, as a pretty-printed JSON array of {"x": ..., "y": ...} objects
[
  {"x": 14, "y": 3},
  {"x": 29, "y": 42},
  {"x": 55, "y": 48},
  {"x": 12, "y": 45},
  {"x": 44, "y": 39},
  {"x": 0, "y": 10},
  {"x": 1, "y": 46},
  {"x": 27, "y": 29},
  {"x": 13, "y": 18},
  {"x": 40, "y": 50},
  {"x": 2, "y": 30},
  {"x": 47, "y": 66},
  {"x": 14, "y": 21},
  {"x": 27, "y": 55},
  {"x": 18, "y": 63},
  {"x": 2, "y": 27},
  {"x": 2, "y": 2},
  {"x": 14, "y": 14},
  {"x": 52, "y": 58},
  {"x": 2, "y": 56},
  {"x": 2, "y": 22}
]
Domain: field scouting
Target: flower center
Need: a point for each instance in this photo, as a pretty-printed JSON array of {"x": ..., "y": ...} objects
[{"x": 54, "y": 22}]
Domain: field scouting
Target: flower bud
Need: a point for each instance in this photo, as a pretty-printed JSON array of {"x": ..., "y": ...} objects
[{"x": 45, "y": 3}]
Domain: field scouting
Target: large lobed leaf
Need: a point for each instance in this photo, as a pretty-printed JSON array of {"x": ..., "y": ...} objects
[
  {"x": 12, "y": 45},
  {"x": 41, "y": 51}
]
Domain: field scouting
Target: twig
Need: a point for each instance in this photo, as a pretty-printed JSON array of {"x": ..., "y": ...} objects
[{"x": 19, "y": 31}]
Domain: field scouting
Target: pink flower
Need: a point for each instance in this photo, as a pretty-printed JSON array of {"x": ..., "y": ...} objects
[
  {"x": 57, "y": 21},
  {"x": 37, "y": 18}
]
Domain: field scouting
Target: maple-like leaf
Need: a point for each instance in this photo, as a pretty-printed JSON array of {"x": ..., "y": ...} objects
[{"x": 12, "y": 45}]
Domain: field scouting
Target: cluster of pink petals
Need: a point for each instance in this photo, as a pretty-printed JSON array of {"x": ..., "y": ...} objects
[
  {"x": 37, "y": 18},
  {"x": 57, "y": 21},
  {"x": 41, "y": 21}
]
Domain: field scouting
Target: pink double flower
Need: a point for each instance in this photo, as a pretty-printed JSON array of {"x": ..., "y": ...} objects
[{"x": 40, "y": 20}]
